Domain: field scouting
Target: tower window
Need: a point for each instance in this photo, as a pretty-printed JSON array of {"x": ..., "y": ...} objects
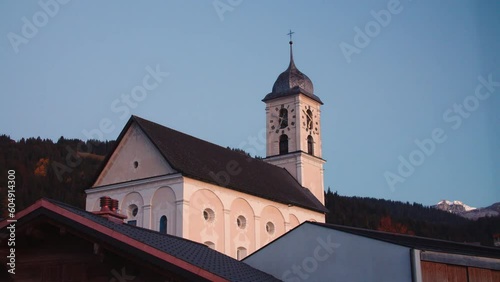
[
  {"x": 283, "y": 118},
  {"x": 163, "y": 225},
  {"x": 283, "y": 144},
  {"x": 310, "y": 145},
  {"x": 309, "y": 119}
]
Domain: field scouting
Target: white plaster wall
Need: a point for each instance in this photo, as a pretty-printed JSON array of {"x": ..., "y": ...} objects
[
  {"x": 288, "y": 162},
  {"x": 272, "y": 111},
  {"x": 168, "y": 188},
  {"x": 271, "y": 215},
  {"x": 227, "y": 204},
  {"x": 201, "y": 230},
  {"x": 305, "y": 103},
  {"x": 134, "y": 147},
  {"x": 315, "y": 253},
  {"x": 133, "y": 199},
  {"x": 241, "y": 236},
  {"x": 297, "y": 133},
  {"x": 311, "y": 170},
  {"x": 306, "y": 169},
  {"x": 183, "y": 200},
  {"x": 294, "y": 221},
  {"x": 163, "y": 204}
]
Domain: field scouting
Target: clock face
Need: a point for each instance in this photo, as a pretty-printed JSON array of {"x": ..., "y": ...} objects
[
  {"x": 310, "y": 120},
  {"x": 282, "y": 119}
]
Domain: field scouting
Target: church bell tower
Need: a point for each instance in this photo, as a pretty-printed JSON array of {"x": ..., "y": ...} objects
[{"x": 294, "y": 129}]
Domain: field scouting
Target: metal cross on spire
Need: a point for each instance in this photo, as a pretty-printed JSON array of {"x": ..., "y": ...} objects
[{"x": 290, "y": 34}]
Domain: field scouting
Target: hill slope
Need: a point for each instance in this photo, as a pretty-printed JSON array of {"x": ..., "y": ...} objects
[
  {"x": 413, "y": 219},
  {"x": 62, "y": 171}
]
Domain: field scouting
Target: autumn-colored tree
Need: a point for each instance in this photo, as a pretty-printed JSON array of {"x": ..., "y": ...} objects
[
  {"x": 41, "y": 167},
  {"x": 387, "y": 225}
]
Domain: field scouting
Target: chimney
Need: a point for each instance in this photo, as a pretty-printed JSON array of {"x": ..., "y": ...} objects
[
  {"x": 105, "y": 203},
  {"x": 114, "y": 205},
  {"x": 109, "y": 210}
]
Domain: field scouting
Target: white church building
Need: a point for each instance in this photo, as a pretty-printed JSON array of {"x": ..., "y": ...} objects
[{"x": 177, "y": 184}]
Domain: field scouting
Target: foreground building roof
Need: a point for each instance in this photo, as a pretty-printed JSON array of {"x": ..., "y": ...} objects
[
  {"x": 321, "y": 251},
  {"x": 187, "y": 259}
]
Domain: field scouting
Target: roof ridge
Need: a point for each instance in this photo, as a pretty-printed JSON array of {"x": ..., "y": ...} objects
[
  {"x": 171, "y": 248},
  {"x": 367, "y": 232},
  {"x": 197, "y": 138},
  {"x": 70, "y": 208},
  {"x": 224, "y": 167}
]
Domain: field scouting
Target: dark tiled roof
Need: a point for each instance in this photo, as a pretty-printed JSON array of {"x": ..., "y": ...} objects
[
  {"x": 296, "y": 90},
  {"x": 421, "y": 243},
  {"x": 197, "y": 159},
  {"x": 183, "y": 249}
]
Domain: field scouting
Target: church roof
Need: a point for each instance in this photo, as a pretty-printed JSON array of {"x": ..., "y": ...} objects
[
  {"x": 199, "y": 159},
  {"x": 292, "y": 82},
  {"x": 194, "y": 261}
]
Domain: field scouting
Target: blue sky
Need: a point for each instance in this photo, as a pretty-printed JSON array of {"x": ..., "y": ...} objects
[{"x": 413, "y": 79}]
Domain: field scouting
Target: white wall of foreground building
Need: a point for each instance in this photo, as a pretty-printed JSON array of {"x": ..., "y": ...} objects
[{"x": 314, "y": 253}]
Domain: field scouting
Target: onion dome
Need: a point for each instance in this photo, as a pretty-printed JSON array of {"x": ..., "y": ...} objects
[{"x": 292, "y": 82}]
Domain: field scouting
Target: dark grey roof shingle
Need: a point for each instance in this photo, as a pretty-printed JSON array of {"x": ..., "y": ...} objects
[
  {"x": 186, "y": 250},
  {"x": 199, "y": 159}
]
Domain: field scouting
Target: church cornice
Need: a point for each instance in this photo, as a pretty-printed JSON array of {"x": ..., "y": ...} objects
[
  {"x": 296, "y": 153},
  {"x": 133, "y": 183},
  {"x": 296, "y": 91}
]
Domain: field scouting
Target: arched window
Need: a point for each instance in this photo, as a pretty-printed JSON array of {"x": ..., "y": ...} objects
[
  {"x": 209, "y": 215},
  {"x": 241, "y": 253},
  {"x": 241, "y": 222},
  {"x": 283, "y": 144},
  {"x": 310, "y": 145},
  {"x": 132, "y": 212},
  {"x": 270, "y": 228},
  {"x": 163, "y": 225},
  {"x": 283, "y": 120},
  {"x": 309, "y": 119},
  {"x": 210, "y": 245}
]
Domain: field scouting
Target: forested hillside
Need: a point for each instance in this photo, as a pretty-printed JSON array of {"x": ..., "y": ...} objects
[
  {"x": 64, "y": 169},
  {"x": 60, "y": 170},
  {"x": 406, "y": 218}
]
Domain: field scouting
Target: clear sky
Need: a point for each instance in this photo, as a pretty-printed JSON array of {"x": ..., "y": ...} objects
[{"x": 391, "y": 74}]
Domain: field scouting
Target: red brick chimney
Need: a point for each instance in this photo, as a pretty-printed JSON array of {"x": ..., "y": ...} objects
[{"x": 109, "y": 210}]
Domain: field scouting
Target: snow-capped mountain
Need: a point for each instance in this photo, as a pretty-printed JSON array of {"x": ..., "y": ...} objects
[
  {"x": 454, "y": 207},
  {"x": 458, "y": 207}
]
